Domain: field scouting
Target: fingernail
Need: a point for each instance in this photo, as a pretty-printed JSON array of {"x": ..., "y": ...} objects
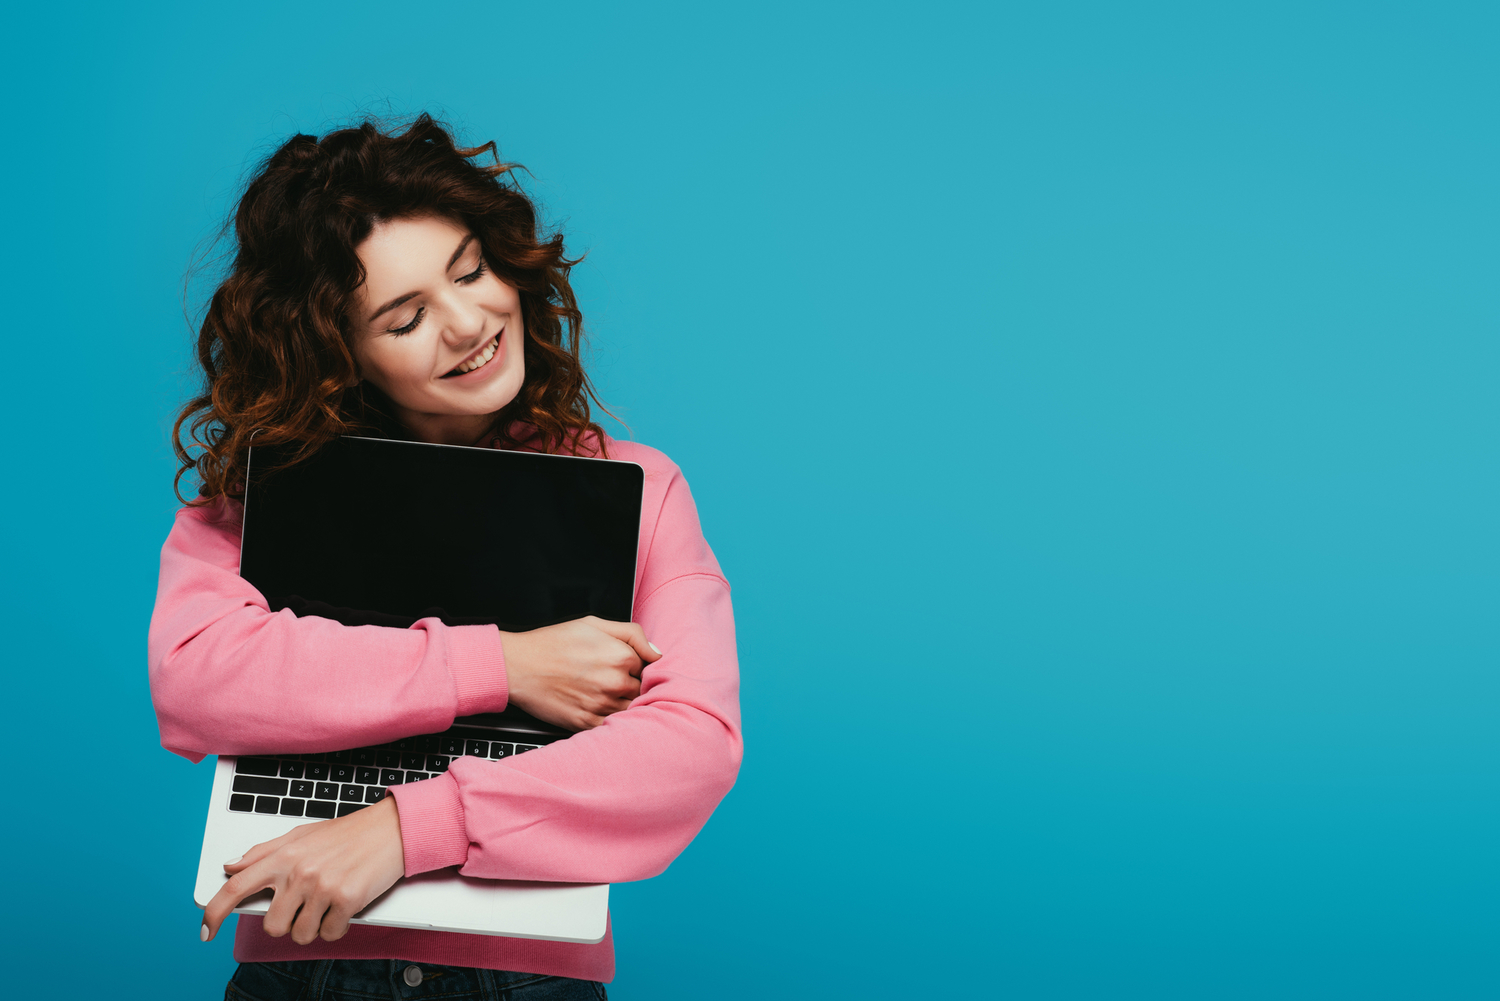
[
  {"x": 203, "y": 932},
  {"x": 653, "y": 648},
  {"x": 234, "y": 861}
]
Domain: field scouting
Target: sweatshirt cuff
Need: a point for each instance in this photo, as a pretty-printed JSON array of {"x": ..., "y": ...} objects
[
  {"x": 433, "y": 835},
  {"x": 476, "y": 659}
]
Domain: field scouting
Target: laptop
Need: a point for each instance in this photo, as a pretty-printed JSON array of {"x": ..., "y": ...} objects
[{"x": 348, "y": 535}]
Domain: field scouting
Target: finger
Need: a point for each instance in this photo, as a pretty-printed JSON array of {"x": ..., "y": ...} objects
[
  {"x": 631, "y": 634},
  {"x": 612, "y": 707},
  {"x": 234, "y": 890},
  {"x": 615, "y": 699},
  {"x": 283, "y": 910},
  {"x": 335, "y": 923},
  {"x": 604, "y": 706},
  {"x": 308, "y": 920},
  {"x": 586, "y": 721},
  {"x": 254, "y": 854},
  {"x": 264, "y": 848}
]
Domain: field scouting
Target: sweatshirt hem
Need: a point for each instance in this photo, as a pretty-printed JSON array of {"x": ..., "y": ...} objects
[
  {"x": 433, "y": 835},
  {"x": 476, "y": 659}
]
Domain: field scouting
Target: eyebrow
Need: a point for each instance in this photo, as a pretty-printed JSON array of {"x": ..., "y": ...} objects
[{"x": 463, "y": 245}]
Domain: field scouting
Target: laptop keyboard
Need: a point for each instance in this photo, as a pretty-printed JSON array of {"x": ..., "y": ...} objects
[{"x": 340, "y": 782}]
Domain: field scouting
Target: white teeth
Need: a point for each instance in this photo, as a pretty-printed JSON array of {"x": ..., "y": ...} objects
[{"x": 481, "y": 358}]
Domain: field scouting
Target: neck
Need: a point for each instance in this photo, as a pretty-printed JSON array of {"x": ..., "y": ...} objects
[{"x": 447, "y": 429}]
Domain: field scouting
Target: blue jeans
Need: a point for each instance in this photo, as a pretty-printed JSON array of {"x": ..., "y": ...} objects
[{"x": 392, "y": 980}]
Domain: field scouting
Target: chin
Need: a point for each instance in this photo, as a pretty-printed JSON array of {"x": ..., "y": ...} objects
[{"x": 498, "y": 397}]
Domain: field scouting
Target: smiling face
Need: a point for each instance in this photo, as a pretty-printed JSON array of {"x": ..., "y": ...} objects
[{"x": 436, "y": 330}]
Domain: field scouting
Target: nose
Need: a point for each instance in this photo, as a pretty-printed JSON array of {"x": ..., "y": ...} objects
[{"x": 465, "y": 324}]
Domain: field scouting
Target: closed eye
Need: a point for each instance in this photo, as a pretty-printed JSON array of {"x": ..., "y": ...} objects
[
  {"x": 421, "y": 312},
  {"x": 472, "y": 276}
]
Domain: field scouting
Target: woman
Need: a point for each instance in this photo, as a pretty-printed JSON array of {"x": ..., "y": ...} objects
[{"x": 385, "y": 283}]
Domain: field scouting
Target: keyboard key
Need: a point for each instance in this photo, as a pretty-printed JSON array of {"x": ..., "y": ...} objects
[
  {"x": 427, "y": 744},
  {"x": 255, "y": 766},
  {"x": 266, "y": 787},
  {"x": 316, "y": 772},
  {"x": 415, "y": 776},
  {"x": 303, "y": 789},
  {"x": 374, "y": 794},
  {"x": 341, "y": 773},
  {"x": 525, "y": 747},
  {"x": 292, "y": 807},
  {"x": 320, "y": 809},
  {"x": 242, "y": 804},
  {"x": 500, "y": 749},
  {"x": 341, "y": 757},
  {"x": 390, "y": 777},
  {"x": 437, "y": 763},
  {"x": 291, "y": 769},
  {"x": 478, "y": 748},
  {"x": 406, "y": 744},
  {"x": 388, "y": 759},
  {"x": 327, "y": 790},
  {"x": 266, "y": 804},
  {"x": 367, "y": 776},
  {"x": 352, "y": 794},
  {"x": 413, "y": 760},
  {"x": 347, "y": 808},
  {"x": 312, "y": 757},
  {"x": 364, "y": 755},
  {"x": 452, "y": 746}
]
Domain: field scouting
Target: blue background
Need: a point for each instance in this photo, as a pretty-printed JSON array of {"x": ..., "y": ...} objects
[{"x": 1092, "y": 406}]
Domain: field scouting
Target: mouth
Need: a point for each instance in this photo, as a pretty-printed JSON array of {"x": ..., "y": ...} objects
[{"x": 478, "y": 359}]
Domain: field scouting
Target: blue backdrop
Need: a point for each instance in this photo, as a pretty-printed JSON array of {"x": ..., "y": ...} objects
[{"x": 1092, "y": 406}]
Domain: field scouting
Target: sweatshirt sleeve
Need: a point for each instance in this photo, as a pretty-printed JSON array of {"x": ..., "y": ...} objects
[
  {"x": 229, "y": 676},
  {"x": 620, "y": 801}
]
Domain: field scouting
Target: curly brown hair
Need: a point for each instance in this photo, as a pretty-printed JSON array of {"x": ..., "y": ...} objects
[{"x": 276, "y": 343}]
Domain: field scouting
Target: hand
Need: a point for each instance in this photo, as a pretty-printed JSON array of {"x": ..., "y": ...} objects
[
  {"x": 322, "y": 874},
  {"x": 576, "y": 673}
]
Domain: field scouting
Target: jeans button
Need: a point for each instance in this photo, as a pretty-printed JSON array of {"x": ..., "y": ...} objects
[{"x": 412, "y": 975}]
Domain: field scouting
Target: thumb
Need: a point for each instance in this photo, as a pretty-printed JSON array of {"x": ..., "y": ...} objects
[{"x": 633, "y": 635}]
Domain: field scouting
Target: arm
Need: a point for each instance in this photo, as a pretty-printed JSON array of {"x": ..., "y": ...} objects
[
  {"x": 620, "y": 801},
  {"x": 229, "y": 676},
  {"x": 614, "y": 803},
  {"x": 651, "y": 775},
  {"x": 617, "y": 802}
]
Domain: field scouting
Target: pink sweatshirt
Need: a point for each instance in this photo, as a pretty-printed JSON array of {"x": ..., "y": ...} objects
[{"x": 612, "y": 804}]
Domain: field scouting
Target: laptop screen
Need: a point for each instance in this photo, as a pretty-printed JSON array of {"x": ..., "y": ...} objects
[{"x": 376, "y": 531}]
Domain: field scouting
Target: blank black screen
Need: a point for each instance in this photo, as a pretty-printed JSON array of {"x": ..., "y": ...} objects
[{"x": 373, "y": 531}]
